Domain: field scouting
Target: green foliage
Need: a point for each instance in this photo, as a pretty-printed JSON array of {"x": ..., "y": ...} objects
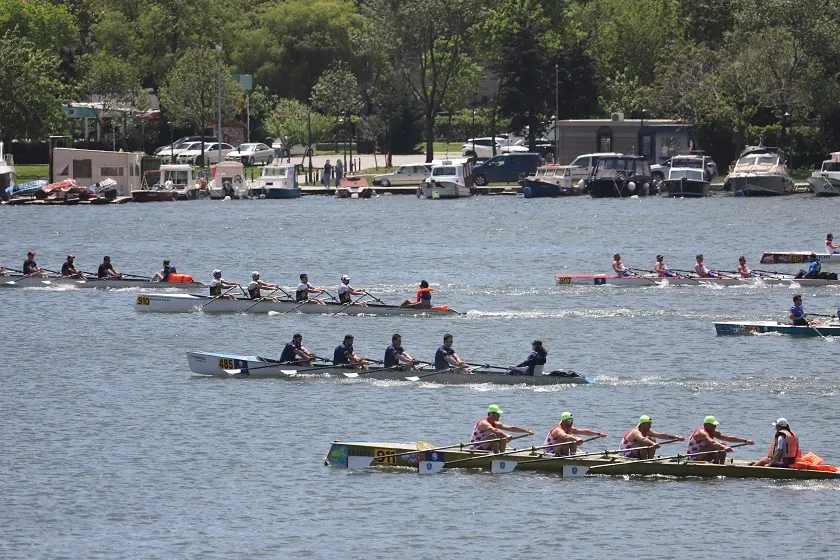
[
  {"x": 337, "y": 92},
  {"x": 46, "y": 24},
  {"x": 114, "y": 82},
  {"x": 288, "y": 123}
]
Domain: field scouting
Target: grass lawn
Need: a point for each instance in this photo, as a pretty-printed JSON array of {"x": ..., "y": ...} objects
[{"x": 26, "y": 173}]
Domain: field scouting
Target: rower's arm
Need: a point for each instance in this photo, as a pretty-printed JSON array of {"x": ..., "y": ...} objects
[
  {"x": 515, "y": 429},
  {"x": 663, "y": 435},
  {"x": 585, "y": 432},
  {"x": 733, "y": 439}
]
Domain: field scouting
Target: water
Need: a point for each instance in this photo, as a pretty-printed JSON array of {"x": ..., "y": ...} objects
[{"x": 109, "y": 448}]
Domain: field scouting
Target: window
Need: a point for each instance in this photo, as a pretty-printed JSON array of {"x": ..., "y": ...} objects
[
  {"x": 82, "y": 169},
  {"x": 647, "y": 145},
  {"x": 64, "y": 171},
  {"x": 605, "y": 139},
  {"x": 112, "y": 171}
]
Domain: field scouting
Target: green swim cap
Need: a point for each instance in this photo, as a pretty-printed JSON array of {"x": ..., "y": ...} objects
[
  {"x": 494, "y": 408},
  {"x": 645, "y": 419},
  {"x": 710, "y": 420}
]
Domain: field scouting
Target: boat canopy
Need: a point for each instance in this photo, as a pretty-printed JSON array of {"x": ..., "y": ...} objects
[
  {"x": 689, "y": 174},
  {"x": 444, "y": 171}
]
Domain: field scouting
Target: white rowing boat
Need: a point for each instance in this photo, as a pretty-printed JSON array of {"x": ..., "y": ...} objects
[
  {"x": 608, "y": 280},
  {"x": 20, "y": 281},
  {"x": 188, "y": 303},
  {"x": 762, "y": 327},
  {"x": 255, "y": 367},
  {"x": 796, "y": 257}
]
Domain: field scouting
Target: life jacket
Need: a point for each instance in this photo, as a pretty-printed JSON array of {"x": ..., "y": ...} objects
[
  {"x": 695, "y": 446},
  {"x": 175, "y": 277},
  {"x": 791, "y": 452},
  {"x": 425, "y": 294},
  {"x": 479, "y": 435}
]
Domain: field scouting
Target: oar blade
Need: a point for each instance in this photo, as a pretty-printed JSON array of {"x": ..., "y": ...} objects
[
  {"x": 350, "y": 374},
  {"x": 500, "y": 466},
  {"x": 429, "y": 467},
  {"x": 232, "y": 371},
  {"x": 357, "y": 463},
  {"x": 412, "y": 378},
  {"x": 572, "y": 471}
]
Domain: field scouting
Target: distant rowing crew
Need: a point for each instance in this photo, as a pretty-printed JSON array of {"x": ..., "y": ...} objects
[{"x": 106, "y": 270}]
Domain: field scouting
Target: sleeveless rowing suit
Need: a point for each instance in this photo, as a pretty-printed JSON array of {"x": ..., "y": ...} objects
[
  {"x": 479, "y": 436},
  {"x": 694, "y": 446},
  {"x": 289, "y": 354},
  {"x": 798, "y": 313},
  {"x": 625, "y": 447},
  {"x": 618, "y": 268},
  {"x": 745, "y": 271},
  {"x": 552, "y": 441},
  {"x": 254, "y": 289},
  {"x": 344, "y": 293},
  {"x": 702, "y": 271},
  {"x": 302, "y": 292},
  {"x": 216, "y": 287}
]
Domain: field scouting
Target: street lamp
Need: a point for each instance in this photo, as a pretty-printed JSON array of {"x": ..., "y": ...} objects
[
  {"x": 171, "y": 143},
  {"x": 640, "y": 139},
  {"x": 556, "y": 111},
  {"x": 446, "y": 113},
  {"x": 472, "y": 129},
  {"x": 219, "y": 99},
  {"x": 783, "y": 135}
]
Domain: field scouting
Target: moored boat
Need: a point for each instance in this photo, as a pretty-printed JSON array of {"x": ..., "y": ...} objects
[
  {"x": 353, "y": 187},
  {"x": 188, "y": 303},
  {"x": 826, "y": 181},
  {"x": 762, "y": 327},
  {"x": 550, "y": 181},
  {"x": 449, "y": 179},
  {"x": 620, "y": 176},
  {"x": 277, "y": 181},
  {"x": 228, "y": 181},
  {"x": 20, "y": 281},
  {"x": 220, "y": 365},
  {"x": 796, "y": 257},
  {"x": 759, "y": 171},
  {"x": 606, "y": 279},
  {"x": 180, "y": 179},
  {"x": 688, "y": 176}
]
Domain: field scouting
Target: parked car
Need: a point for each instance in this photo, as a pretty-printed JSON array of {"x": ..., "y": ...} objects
[
  {"x": 660, "y": 171},
  {"x": 583, "y": 165},
  {"x": 212, "y": 154},
  {"x": 543, "y": 146},
  {"x": 482, "y": 148},
  {"x": 181, "y": 142},
  {"x": 251, "y": 154},
  {"x": 296, "y": 150},
  {"x": 172, "y": 153},
  {"x": 506, "y": 168},
  {"x": 408, "y": 175}
]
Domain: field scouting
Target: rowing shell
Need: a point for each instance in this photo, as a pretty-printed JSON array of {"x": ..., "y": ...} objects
[
  {"x": 215, "y": 364},
  {"x": 796, "y": 257},
  {"x": 360, "y": 455},
  {"x": 20, "y": 281},
  {"x": 761, "y": 327},
  {"x": 187, "y": 303},
  {"x": 607, "y": 280}
]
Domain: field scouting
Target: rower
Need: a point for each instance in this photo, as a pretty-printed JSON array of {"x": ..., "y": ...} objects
[
  {"x": 295, "y": 353},
  {"x": 31, "y": 268},
  {"x": 163, "y": 275},
  {"x": 661, "y": 268},
  {"x": 743, "y": 269},
  {"x": 424, "y": 297},
  {"x": 784, "y": 447},
  {"x": 561, "y": 440},
  {"x": 830, "y": 246},
  {"x": 345, "y": 356},
  {"x": 703, "y": 439},
  {"x": 619, "y": 268},
  {"x": 68, "y": 269},
  {"x": 642, "y": 436},
  {"x": 3, "y": 271},
  {"x": 813, "y": 269},
  {"x": 345, "y": 291},
  {"x": 797, "y": 313},
  {"x": 217, "y": 284},
  {"x": 305, "y": 288},
  {"x": 446, "y": 358},
  {"x": 397, "y": 358},
  {"x": 106, "y": 269},
  {"x": 533, "y": 364},
  {"x": 489, "y": 427},
  {"x": 701, "y": 269},
  {"x": 255, "y": 287}
]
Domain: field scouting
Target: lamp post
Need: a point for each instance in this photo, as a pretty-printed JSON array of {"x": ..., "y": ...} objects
[
  {"x": 309, "y": 141},
  {"x": 472, "y": 130},
  {"x": 219, "y": 98},
  {"x": 171, "y": 143},
  {"x": 783, "y": 135},
  {"x": 641, "y": 132},
  {"x": 556, "y": 110},
  {"x": 446, "y": 113}
]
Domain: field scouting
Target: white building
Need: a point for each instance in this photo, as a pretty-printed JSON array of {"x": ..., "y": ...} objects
[{"x": 92, "y": 166}]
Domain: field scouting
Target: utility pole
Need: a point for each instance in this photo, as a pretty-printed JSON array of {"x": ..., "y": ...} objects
[
  {"x": 219, "y": 99},
  {"x": 556, "y": 110}
]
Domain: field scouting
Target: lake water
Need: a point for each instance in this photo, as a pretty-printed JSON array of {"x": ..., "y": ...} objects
[{"x": 110, "y": 448}]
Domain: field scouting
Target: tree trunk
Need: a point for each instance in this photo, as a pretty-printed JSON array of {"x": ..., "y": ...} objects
[{"x": 430, "y": 140}]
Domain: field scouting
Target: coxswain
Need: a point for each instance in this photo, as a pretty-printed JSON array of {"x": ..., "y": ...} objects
[
  {"x": 304, "y": 290},
  {"x": 217, "y": 284},
  {"x": 163, "y": 275},
  {"x": 68, "y": 269},
  {"x": 295, "y": 353},
  {"x": 396, "y": 357},
  {"x": 797, "y": 313},
  {"x": 619, "y": 268},
  {"x": 813, "y": 269},
  {"x": 642, "y": 436},
  {"x": 106, "y": 269},
  {"x": 489, "y": 428},
  {"x": 533, "y": 364},
  {"x": 561, "y": 438},
  {"x": 446, "y": 358},
  {"x": 3, "y": 271},
  {"x": 830, "y": 246},
  {"x": 784, "y": 447},
  {"x": 424, "y": 297},
  {"x": 701, "y": 269},
  {"x": 743, "y": 269},
  {"x": 346, "y": 291},
  {"x": 705, "y": 438},
  {"x": 345, "y": 356},
  {"x": 31, "y": 268},
  {"x": 256, "y": 286},
  {"x": 661, "y": 268}
]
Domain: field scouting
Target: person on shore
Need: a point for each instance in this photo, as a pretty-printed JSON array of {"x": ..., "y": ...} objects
[
  {"x": 744, "y": 269},
  {"x": 703, "y": 444},
  {"x": 305, "y": 289},
  {"x": 256, "y": 286},
  {"x": 327, "y": 174},
  {"x": 345, "y": 356},
  {"x": 561, "y": 438},
  {"x": 396, "y": 357},
  {"x": 31, "y": 268},
  {"x": 424, "y": 297},
  {"x": 814, "y": 268},
  {"x": 69, "y": 270},
  {"x": 784, "y": 447},
  {"x": 346, "y": 292},
  {"x": 797, "y": 313},
  {"x": 447, "y": 359},
  {"x": 643, "y": 436},
  {"x": 830, "y": 246},
  {"x": 163, "y": 275},
  {"x": 339, "y": 171},
  {"x": 533, "y": 364},
  {"x": 661, "y": 268},
  {"x": 217, "y": 284},
  {"x": 106, "y": 269},
  {"x": 489, "y": 433},
  {"x": 701, "y": 269},
  {"x": 619, "y": 268},
  {"x": 295, "y": 353}
]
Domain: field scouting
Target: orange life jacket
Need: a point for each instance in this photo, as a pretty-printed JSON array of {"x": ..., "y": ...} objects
[{"x": 791, "y": 450}]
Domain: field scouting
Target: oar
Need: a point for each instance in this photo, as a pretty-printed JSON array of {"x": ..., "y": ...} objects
[
  {"x": 678, "y": 456},
  {"x": 818, "y": 332},
  {"x": 822, "y": 315},
  {"x": 376, "y": 299},
  {"x": 348, "y": 304},
  {"x": 453, "y": 446},
  {"x": 531, "y": 449},
  {"x": 332, "y": 297},
  {"x": 419, "y": 377},
  {"x": 13, "y": 270},
  {"x": 777, "y": 274},
  {"x": 487, "y": 366},
  {"x": 289, "y": 372},
  {"x": 581, "y": 455},
  {"x": 676, "y": 274},
  {"x": 320, "y": 358},
  {"x": 217, "y": 297},
  {"x": 738, "y": 274},
  {"x": 295, "y": 308},
  {"x": 261, "y": 299},
  {"x": 354, "y": 374}
]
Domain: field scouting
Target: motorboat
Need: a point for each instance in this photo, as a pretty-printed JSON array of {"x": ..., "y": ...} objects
[
  {"x": 826, "y": 181},
  {"x": 7, "y": 175},
  {"x": 350, "y": 186},
  {"x": 759, "y": 171},
  {"x": 620, "y": 176},
  {"x": 688, "y": 176},
  {"x": 277, "y": 181},
  {"x": 449, "y": 179},
  {"x": 180, "y": 178},
  {"x": 228, "y": 181},
  {"x": 550, "y": 181}
]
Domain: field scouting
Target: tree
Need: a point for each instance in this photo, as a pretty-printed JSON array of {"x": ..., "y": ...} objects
[
  {"x": 46, "y": 24},
  {"x": 31, "y": 92},
  {"x": 190, "y": 90},
  {"x": 337, "y": 92},
  {"x": 293, "y": 123},
  {"x": 429, "y": 42}
]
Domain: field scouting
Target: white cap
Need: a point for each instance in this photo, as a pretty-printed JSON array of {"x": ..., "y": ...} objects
[
  {"x": 781, "y": 422},
  {"x": 255, "y": 274},
  {"x": 217, "y": 271},
  {"x": 345, "y": 277}
]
